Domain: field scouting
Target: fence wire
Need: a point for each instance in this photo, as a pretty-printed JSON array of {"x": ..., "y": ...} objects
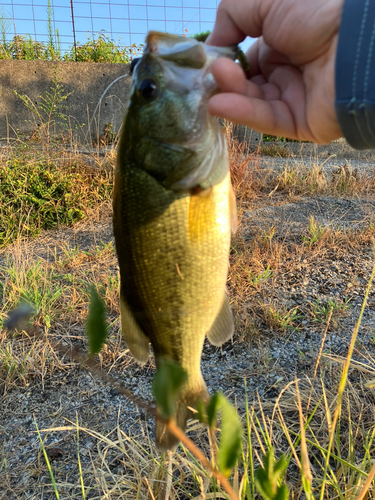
[{"x": 75, "y": 20}]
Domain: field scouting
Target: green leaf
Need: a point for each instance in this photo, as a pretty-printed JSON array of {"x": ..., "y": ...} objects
[
  {"x": 282, "y": 493},
  {"x": 280, "y": 466},
  {"x": 168, "y": 381},
  {"x": 96, "y": 327},
  {"x": 231, "y": 434},
  {"x": 307, "y": 488},
  {"x": 267, "y": 478},
  {"x": 212, "y": 408},
  {"x": 201, "y": 412},
  {"x": 231, "y": 430}
]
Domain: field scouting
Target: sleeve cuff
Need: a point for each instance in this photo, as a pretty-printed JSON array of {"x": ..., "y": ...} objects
[{"x": 355, "y": 74}]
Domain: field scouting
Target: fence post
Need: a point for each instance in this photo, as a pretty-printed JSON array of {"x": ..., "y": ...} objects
[{"x": 74, "y": 31}]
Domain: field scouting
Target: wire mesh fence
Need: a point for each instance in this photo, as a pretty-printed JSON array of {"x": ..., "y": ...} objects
[{"x": 71, "y": 22}]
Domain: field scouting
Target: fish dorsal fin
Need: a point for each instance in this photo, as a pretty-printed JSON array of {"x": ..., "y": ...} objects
[
  {"x": 223, "y": 327},
  {"x": 136, "y": 340}
]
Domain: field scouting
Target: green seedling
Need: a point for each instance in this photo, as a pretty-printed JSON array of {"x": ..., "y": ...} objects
[
  {"x": 315, "y": 232},
  {"x": 281, "y": 319},
  {"x": 321, "y": 311}
]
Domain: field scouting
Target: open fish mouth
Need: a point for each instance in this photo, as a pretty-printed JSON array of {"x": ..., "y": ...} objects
[{"x": 187, "y": 52}]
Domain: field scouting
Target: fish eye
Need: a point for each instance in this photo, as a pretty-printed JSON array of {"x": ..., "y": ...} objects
[
  {"x": 133, "y": 64},
  {"x": 148, "y": 88}
]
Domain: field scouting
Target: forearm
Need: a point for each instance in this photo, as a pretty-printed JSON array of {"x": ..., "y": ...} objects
[{"x": 355, "y": 74}]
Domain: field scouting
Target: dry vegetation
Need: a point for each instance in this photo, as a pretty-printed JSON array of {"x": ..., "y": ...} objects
[{"x": 53, "y": 270}]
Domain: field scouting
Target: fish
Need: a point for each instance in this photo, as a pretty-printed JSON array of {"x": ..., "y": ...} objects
[{"x": 173, "y": 213}]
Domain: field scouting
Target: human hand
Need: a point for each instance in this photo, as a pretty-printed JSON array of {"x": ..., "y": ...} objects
[{"x": 290, "y": 87}]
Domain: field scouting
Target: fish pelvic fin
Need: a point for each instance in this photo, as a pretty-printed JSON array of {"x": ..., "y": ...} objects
[
  {"x": 188, "y": 398},
  {"x": 223, "y": 326},
  {"x": 136, "y": 340}
]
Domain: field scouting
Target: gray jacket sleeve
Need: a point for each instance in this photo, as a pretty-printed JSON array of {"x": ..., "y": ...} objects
[{"x": 355, "y": 73}]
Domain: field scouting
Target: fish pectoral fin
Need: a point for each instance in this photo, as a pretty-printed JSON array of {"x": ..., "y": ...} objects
[
  {"x": 223, "y": 327},
  {"x": 136, "y": 340}
]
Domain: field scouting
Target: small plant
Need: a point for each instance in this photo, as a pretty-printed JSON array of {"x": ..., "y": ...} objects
[
  {"x": 34, "y": 285},
  {"x": 202, "y": 37},
  {"x": 258, "y": 279},
  {"x": 267, "y": 478},
  {"x": 13, "y": 368},
  {"x": 49, "y": 113},
  {"x": 345, "y": 179},
  {"x": 52, "y": 50},
  {"x": 267, "y": 237},
  {"x": 315, "y": 232},
  {"x": 5, "y": 24},
  {"x": 255, "y": 279},
  {"x": 275, "y": 150},
  {"x": 25, "y": 47},
  {"x": 281, "y": 319},
  {"x": 321, "y": 312},
  {"x": 49, "y": 467},
  {"x": 108, "y": 136}
]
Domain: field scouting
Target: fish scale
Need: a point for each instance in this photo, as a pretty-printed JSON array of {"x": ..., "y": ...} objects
[{"x": 172, "y": 243}]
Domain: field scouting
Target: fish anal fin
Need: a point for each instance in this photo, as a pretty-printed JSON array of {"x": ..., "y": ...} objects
[
  {"x": 136, "y": 340},
  {"x": 223, "y": 327}
]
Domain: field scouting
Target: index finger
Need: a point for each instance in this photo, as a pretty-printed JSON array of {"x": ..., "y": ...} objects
[{"x": 237, "y": 19}]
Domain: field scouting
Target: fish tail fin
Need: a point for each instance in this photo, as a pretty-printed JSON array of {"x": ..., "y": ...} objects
[{"x": 189, "y": 397}]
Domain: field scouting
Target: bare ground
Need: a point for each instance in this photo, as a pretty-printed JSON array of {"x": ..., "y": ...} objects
[{"x": 281, "y": 284}]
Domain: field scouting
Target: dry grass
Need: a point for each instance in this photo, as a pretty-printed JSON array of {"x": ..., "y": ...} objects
[
  {"x": 343, "y": 181},
  {"x": 58, "y": 286},
  {"x": 265, "y": 263},
  {"x": 129, "y": 467},
  {"x": 251, "y": 181}
]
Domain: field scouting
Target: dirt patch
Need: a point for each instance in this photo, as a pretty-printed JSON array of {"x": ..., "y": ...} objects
[{"x": 276, "y": 269}]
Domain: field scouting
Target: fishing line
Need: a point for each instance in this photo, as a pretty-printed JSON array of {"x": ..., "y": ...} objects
[{"x": 104, "y": 93}]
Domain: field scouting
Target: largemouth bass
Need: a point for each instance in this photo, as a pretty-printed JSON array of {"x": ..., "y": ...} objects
[{"x": 173, "y": 212}]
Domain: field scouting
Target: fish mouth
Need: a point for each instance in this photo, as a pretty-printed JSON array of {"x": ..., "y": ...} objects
[
  {"x": 168, "y": 145},
  {"x": 189, "y": 145},
  {"x": 187, "y": 52}
]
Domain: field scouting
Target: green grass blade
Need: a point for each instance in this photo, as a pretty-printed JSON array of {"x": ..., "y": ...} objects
[
  {"x": 79, "y": 462},
  {"x": 251, "y": 458},
  {"x": 344, "y": 378},
  {"x": 47, "y": 462}
]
